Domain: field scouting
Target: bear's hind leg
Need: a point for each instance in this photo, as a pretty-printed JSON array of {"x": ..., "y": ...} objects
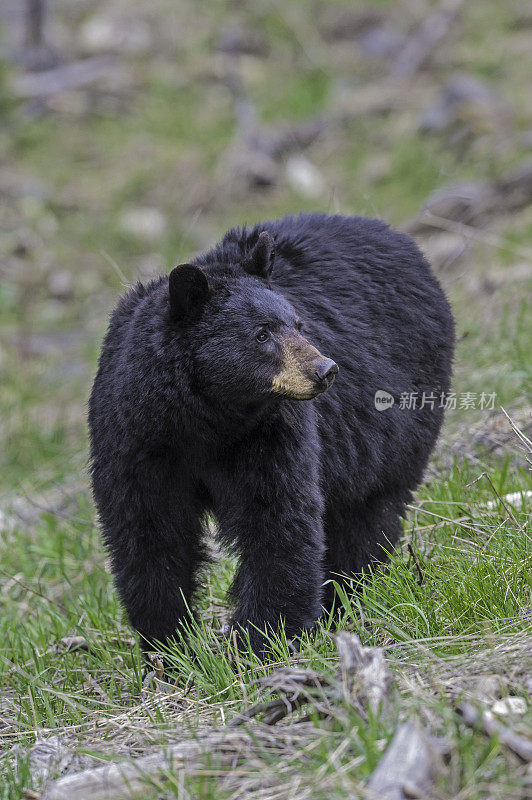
[{"x": 359, "y": 537}]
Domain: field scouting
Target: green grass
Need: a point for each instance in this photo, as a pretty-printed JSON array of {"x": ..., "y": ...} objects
[
  {"x": 453, "y": 604},
  {"x": 475, "y": 594}
]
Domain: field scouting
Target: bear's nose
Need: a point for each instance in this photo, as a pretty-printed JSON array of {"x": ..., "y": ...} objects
[{"x": 326, "y": 370}]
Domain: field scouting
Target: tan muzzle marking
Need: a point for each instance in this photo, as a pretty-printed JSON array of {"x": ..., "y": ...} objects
[{"x": 293, "y": 379}]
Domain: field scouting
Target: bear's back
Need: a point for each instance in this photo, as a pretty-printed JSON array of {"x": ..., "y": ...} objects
[
  {"x": 361, "y": 284},
  {"x": 344, "y": 253}
]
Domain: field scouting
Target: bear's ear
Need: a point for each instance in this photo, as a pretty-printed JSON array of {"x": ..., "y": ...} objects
[
  {"x": 260, "y": 261},
  {"x": 187, "y": 290}
]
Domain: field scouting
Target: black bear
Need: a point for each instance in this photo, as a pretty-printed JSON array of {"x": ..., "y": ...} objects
[{"x": 215, "y": 395}]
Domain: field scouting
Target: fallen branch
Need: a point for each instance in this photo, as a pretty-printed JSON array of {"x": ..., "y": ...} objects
[
  {"x": 473, "y": 204},
  {"x": 297, "y": 687},
  {"x": 362, "y": 679},
  {"x": 62, "y": 78},
  {"x": 418, "y": 47},
  {"x": 486, "y": 721},
  {"x": 274, "y": 710},
  {"x": 407, "y": 768}
]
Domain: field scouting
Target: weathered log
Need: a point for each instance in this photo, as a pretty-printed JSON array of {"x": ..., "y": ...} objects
[
  {"x": 128, "y": 779},
  {"x": 407, "y": 768},
  {"x": 62, "y": 78}
]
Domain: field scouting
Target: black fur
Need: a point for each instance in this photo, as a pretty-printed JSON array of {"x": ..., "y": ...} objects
[{"x": 183, "y": 421}]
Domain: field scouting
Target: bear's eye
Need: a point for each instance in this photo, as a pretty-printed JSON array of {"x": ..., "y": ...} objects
[
  {"x": 263, "y": 335},
  {"x": 299, "y": 325}
]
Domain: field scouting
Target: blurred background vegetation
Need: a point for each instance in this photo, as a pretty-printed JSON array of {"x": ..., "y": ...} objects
[{"x": 132, "y": 135}]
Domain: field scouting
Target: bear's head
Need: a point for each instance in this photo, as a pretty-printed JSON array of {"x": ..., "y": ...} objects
[{"x": 246, "y": 341}]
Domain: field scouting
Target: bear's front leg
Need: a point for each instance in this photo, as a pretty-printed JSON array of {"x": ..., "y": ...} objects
[
  {"x": 275, "y": 522},
  {"x": 151, "y": 523}
]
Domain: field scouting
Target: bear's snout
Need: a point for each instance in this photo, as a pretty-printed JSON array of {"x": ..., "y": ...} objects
[{"x": 304, "y": 373}]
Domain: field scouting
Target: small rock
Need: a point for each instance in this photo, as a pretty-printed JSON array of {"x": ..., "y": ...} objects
[
  {"x": 488, "y": 689},
  {"x": 515, "y": 499},
  {"x": 60, "y": 284},
  {"x": 246, "y": 168},
  {"x": 235, "y": 40},
  {"x": 47, "y": 756},
  {"x": 381, "y": 42},
  {"x": 510, "y": 705},
  {"x": 304, "y": 177},
  {"x": 350, "y": 23},
  {"x": 144, "y": 223},
  {"x": 70, "y": 643},
  {"x": 467, "y": 101},
  {"x": 129, "y": 36},
  {"x": 377, "y": 168}
]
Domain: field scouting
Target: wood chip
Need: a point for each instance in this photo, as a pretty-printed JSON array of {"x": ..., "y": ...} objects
[{"x": 363, "y": 671}]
